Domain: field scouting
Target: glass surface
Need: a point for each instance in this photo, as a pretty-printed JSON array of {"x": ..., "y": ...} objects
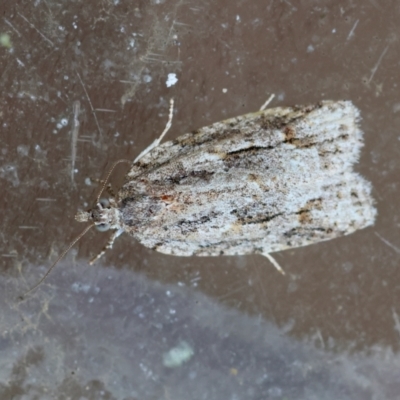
[{"x": 143, "y": 325}]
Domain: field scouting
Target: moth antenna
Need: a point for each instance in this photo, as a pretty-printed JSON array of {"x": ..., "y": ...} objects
[
  {"x": 166, "y": 129},
  {"x": 108, "y": 176},
  {"x": 59, "y": 259}
]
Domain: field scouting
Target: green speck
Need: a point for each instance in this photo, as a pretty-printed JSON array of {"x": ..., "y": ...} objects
[{"x": 5, "y": 40}]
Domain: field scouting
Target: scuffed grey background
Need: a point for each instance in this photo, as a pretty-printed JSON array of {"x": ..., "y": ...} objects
[{"x": 329, "y": 329}]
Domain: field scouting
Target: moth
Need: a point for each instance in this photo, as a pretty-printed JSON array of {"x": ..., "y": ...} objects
[
  {"x": 258, "y": 183},
  {"x": 254, "y": 184}
]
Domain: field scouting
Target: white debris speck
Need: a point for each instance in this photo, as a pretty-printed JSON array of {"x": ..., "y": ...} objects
[
  {"x": 172, "y": 79},
  {"x": 178, "y": 355}
]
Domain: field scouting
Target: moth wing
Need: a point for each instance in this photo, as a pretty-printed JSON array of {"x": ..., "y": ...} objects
[{"x": 276, "y": 125}]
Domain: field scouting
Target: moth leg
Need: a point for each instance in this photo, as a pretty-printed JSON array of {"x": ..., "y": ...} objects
[
  {"x": 265, "y": 105},
  {"x": 274, "y": 263},
  {"x": 108, "y": 246},
  {"x": 157, "y": 141}
]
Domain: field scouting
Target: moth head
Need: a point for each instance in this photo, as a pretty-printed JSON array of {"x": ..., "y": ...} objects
[{"x": 104, "y": 215}]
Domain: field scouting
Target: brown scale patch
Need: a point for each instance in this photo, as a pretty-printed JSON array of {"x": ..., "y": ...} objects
[
  {"x": 302, "y": 143},
  {"x": 196, "y": 138},
  {"x": 268, "y": 123},
  {"x": 304, "y": 215},
  {"x": 315, "y": 203},
  {"x": 290, "y": 134},
  {"x": 307, "y": 109},
  {"x": 252, "y": 177},
  {"x": 256, "y": 179},
  {"x": 279, "y": 122},
  {"x": 167, "y": 198}
]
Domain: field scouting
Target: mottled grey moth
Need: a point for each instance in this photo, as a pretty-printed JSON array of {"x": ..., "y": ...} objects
[{"x": 254, "y": 184}]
